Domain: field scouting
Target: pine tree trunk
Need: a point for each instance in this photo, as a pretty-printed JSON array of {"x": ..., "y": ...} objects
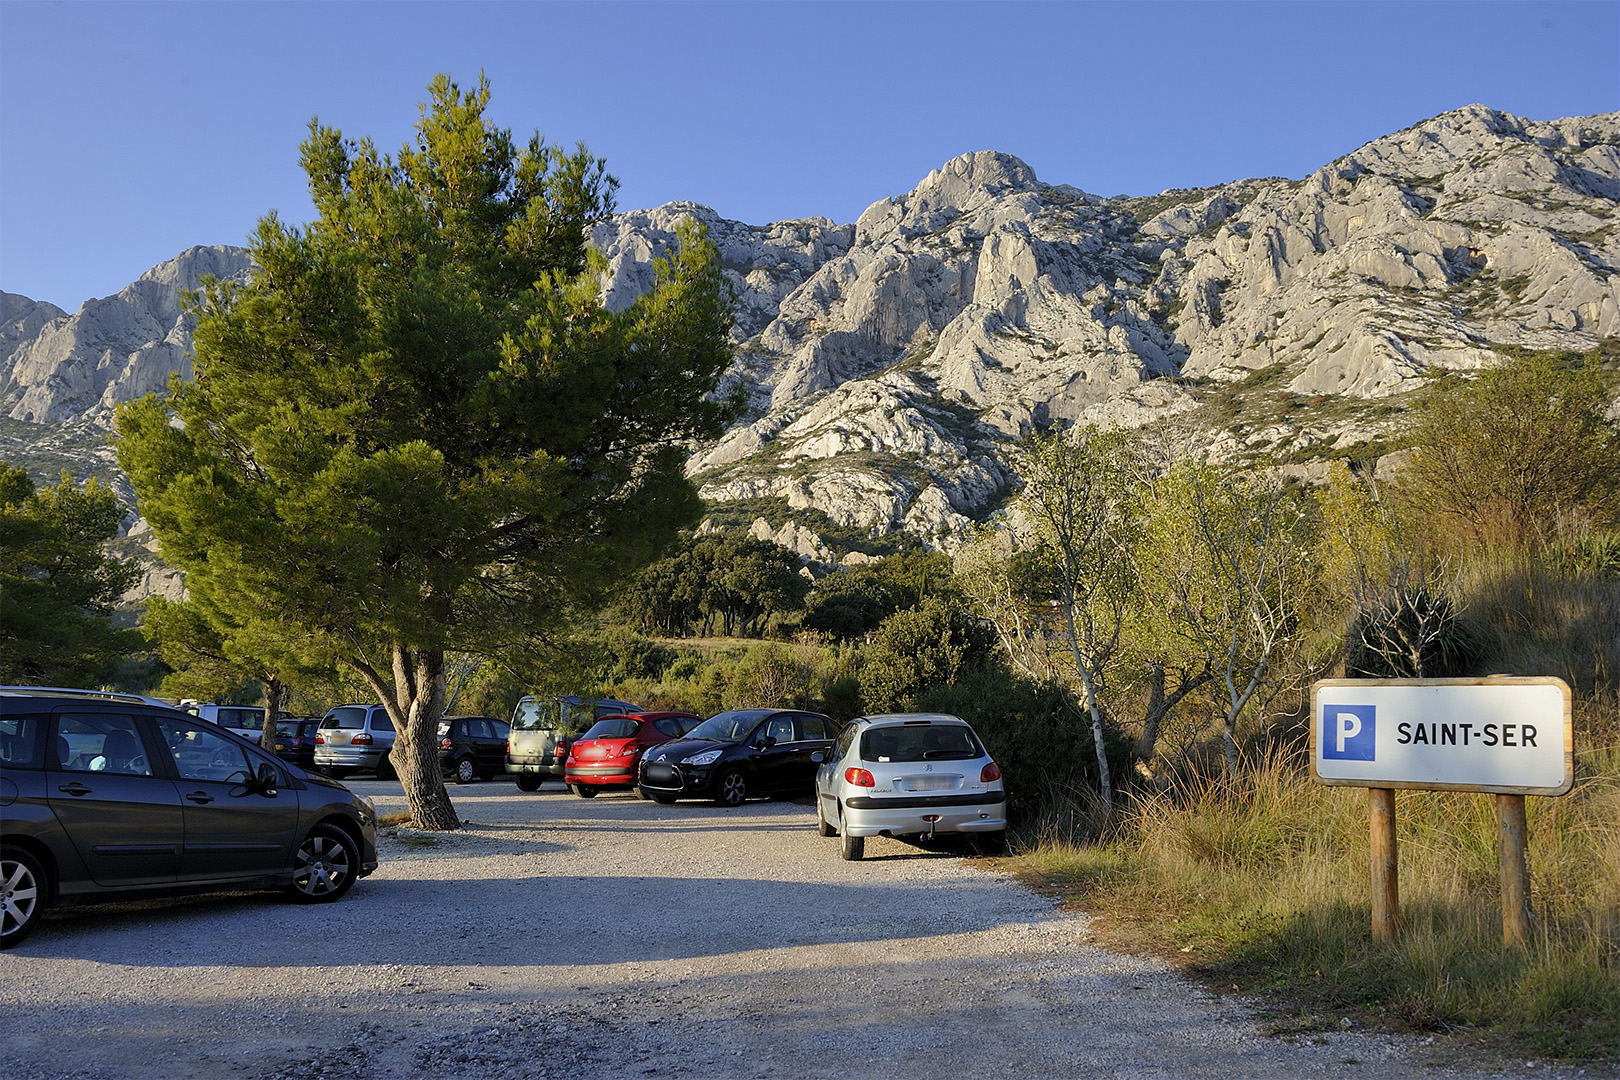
[
  {"x": 274, "y": 693},
  {"x": 416, "y": 706}
]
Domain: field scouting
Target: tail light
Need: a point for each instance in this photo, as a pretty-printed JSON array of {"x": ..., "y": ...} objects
[
  {"x": 320, "y": 740},
  {"x": 446, "y": 744},
  {"x": 362, "y": 739},
  {"x": 990, "y": 772},
  {"x": 859, "y": 777}
]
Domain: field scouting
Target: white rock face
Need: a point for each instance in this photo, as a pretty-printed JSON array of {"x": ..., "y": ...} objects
[
  {"x": 114, "y": 349},
  {"x": 890, "y": 363}
]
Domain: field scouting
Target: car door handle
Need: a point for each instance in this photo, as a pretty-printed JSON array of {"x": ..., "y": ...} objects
[
  {"x": 200, "y": 797},
  {"x": 75, "y": 788}
]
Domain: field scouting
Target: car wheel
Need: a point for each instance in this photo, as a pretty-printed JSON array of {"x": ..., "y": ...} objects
[
  {"x": 325, "y": 866},
  {"x": 466, "y": 770},
  {"x": 852, "y": 848},
  {"x": 528, "y": 782},
  {"x": 385, "y": 769},
  {"x": 22, "y": 895},
  {"x": 583, "y": 791},
  {"x": 732, "y": 789},
  {"x": 821, "y": 821}
]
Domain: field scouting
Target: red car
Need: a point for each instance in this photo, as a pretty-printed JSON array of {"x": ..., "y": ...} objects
[{"x": 606, "y": 757}]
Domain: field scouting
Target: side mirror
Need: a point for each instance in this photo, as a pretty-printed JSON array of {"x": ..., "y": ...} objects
[
  {"x": 267, "y": 779},
  {"x": 764, "y": 742}
]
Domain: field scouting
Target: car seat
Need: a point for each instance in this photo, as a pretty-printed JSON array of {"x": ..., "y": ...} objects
[{"x": 120, "y": 749}]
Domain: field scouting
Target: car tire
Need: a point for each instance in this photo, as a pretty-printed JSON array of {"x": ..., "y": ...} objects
[
  {"x": 528, "y": 782},
  {"x": 385, "y": 769},
  {"x": 466, "y": 770},
  {"x": 732, "y": 788},
  {"x": 851, "y": 848},
  {"x": 325, "y": 866},
  {"x": 584, "y": 791},
  {"x": 821, "y": 821},
  {"x": 24, "y": 894}
]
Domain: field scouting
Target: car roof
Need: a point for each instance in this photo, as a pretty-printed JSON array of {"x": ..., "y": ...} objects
[
  {"x": 90, "y": 695},
  {"x": 911, "y": 718}
]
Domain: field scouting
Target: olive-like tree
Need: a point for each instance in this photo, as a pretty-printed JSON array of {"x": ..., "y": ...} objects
[{"x": 417, "y": 429}]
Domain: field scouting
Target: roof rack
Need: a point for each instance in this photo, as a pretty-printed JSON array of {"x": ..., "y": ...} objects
[{"x": 79, "y": 692}]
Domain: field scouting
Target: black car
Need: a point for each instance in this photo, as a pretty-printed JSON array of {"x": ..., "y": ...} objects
[
  {"x": 734, "y": 755},
  {"x": 472, "y": 747},
  {"x": 108, "y": 796},
  {"x": 295, "y": 740}
]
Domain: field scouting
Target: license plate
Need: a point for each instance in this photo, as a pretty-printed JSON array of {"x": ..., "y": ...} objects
[{"x": 930, "y": 783}]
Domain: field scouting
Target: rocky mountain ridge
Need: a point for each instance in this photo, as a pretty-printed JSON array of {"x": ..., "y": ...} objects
[{"x": 891, "y": 363}]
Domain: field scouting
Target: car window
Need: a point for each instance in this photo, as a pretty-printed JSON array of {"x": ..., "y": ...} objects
[
  {"x": 101, "y": 743},
  {"x": 502, "y": 728},
  {"x": 780, "y": 729},
  {"x": 846, "y": 739},
  {"x": 380, "y": 720},
  {"x": 478, "y": 728},
  {"x": 346, "y": 718},
  {"x": 200, "y": 754},
  {"x": 812, "y": 727},
  {"x": 727, "y": 726},
  {"x": 921, "y": 742},
  {"x": 19, "y": 741},
  {"x": 672, "y": 726},
  {"x": 242, "y": 718},
  {"x": 617, "y": 727}
]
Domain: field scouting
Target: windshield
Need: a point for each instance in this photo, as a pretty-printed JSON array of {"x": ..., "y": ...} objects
[
  {"x": 615, "y": 727},
  {"x": 348, "y": 718},
  {"x": 289, "y": 728},
  {"x": 920, "y": 742},
  {"x": 727, "y": 726}
]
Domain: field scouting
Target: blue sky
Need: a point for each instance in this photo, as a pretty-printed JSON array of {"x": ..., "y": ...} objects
[{"x": 131, "y": 131}]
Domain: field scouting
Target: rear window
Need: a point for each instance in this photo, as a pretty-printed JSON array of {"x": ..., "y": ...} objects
[
  {"x": 920, "y": 742},
  {"x": 536, "y": 714},
  {"x": 618, "y": 727},
  {"x": 380, "y": 721},
  {"x": 19, "y": 738},
  {"x": 351, "y": 718}
]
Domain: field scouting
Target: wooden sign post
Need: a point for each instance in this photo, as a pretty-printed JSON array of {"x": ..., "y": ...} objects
[{"x": 1508, "y": 736}]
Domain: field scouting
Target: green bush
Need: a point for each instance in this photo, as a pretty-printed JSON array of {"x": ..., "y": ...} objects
[{"x": 1038, "y": 736}]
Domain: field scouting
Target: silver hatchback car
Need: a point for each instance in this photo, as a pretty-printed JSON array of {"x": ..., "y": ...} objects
[{"x": 910, "y": 774}]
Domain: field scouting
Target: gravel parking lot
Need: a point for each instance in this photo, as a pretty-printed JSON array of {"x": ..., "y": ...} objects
[{"x": 558, "y": 937}]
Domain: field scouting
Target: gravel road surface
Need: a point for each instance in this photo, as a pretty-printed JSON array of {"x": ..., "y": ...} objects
[{"x": 563, "y": 938}]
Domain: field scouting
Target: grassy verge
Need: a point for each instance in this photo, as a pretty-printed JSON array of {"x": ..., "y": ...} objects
[{"x": 1261, "y": 885}]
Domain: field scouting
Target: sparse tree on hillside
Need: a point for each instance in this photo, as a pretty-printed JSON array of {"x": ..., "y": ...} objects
[
  {"x": 58, "y": 584},
  {"x": 1505, "y": 458},
  {"x": 416, "y": 429},
  {"x": 1078, "y": 497},
  {"x": 1229, "y": 563}
]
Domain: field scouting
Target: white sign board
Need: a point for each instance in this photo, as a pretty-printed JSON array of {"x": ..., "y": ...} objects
[{"x": 1511, "y": 736}]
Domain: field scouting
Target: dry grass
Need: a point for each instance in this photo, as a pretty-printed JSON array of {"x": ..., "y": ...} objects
[{"x": 1263, "y": 883}]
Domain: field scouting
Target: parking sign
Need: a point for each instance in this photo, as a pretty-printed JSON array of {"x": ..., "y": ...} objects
[{"x": 1512, "y": 736}]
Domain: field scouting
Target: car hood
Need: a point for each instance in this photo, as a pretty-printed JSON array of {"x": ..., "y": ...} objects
[
  {"x": 679, "y": 748},
  {"x": 319, "y": 780}
]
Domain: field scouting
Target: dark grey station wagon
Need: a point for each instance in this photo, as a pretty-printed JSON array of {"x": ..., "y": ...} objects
[{"x": 106, "y": 796}]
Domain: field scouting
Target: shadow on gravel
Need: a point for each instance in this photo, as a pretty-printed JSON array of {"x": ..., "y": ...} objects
[{"x": 479, "y": 923}]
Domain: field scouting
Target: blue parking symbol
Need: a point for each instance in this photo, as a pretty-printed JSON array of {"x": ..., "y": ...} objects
[{"x": 1349, "y": 732}]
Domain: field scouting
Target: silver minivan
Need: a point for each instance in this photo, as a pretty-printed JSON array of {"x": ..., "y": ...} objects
[
  {"x": 910, "y": 774},
  {"x": 543, "y": 728},
  {"x": 354, "y": 738}
]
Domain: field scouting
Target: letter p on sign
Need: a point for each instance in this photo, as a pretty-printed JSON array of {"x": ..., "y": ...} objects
[{"x": 1349, "y": 732}]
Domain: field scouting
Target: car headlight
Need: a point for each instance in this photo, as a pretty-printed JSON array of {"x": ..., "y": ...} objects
[
  {"x": 708, "y": 757},
  {"x": 369, "y": 809}
]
